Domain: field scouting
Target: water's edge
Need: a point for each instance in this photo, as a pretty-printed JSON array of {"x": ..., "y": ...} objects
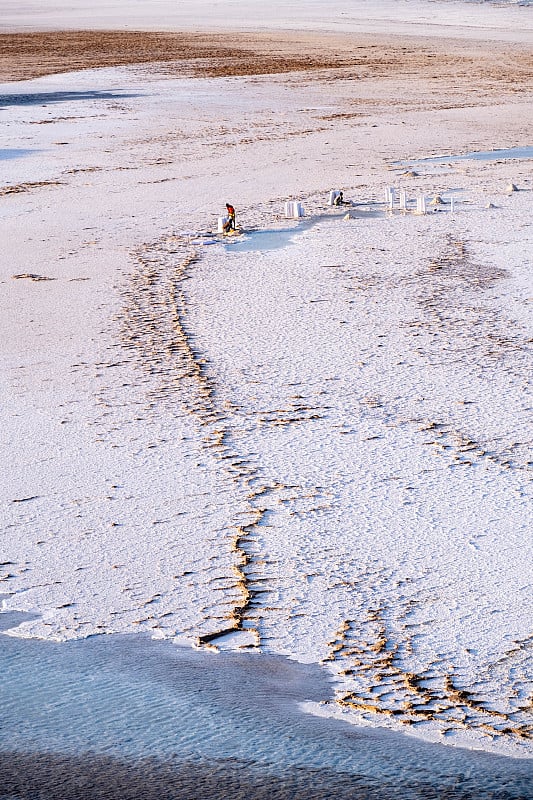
[{"x": 125, "y": 716}]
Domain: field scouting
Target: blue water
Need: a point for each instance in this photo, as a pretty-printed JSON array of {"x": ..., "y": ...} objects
[
  {"x": 499, "y": 2},
  {"x": 477, "y": 155},
  {"x": 45, "y": 98},
  {"x": 128, "y": 717},
  {"x": 277, "y": 239},
  {"x": 9, "y": 153},
  {"x": 262, "y": 240}
]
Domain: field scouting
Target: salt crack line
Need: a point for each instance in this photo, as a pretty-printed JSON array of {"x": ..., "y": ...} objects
[{"x": 155, "y": 328}]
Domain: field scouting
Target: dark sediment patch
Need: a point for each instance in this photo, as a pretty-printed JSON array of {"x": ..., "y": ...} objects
[
  {"x": 479, "y": 68},
  {"x": 46, "y": 776},
  {"x": 33, "y": 54}
]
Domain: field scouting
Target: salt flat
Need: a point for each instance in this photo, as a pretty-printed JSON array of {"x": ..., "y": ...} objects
[
  {"x": 506, "y": 21},
  {"x": 314, "y": 440}
]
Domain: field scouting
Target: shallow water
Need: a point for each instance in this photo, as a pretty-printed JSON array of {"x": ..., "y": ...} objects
[
  {"x": 262, "y": 240},
  {"x": 45, "y": 98},
  {"x": 7, "y": 154},
  {"x": 477, "y": 155},
  {"x": 123, "y": 716},
  {"x": 277, "y": 239}
]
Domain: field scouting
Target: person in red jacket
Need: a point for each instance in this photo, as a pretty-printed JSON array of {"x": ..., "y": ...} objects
[{"x": 230, "y": 224}]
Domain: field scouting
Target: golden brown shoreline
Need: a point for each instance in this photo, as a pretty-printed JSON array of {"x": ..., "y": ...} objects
[{"x": 483, "y": 65}]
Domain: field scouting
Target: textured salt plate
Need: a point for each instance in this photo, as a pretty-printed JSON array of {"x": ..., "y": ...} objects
[
  {"x": 388, "y": 462},
  {"x": 360, "y": 393}
]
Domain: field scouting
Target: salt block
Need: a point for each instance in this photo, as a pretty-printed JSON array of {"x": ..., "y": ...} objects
[
  {"x": 421, "y": 205},
  {"x": 294, "y": 209}
]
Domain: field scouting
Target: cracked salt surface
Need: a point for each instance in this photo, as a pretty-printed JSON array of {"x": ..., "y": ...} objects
[
  {"x": 321, "y": 451},
  {"x": 385, "y": 495}
]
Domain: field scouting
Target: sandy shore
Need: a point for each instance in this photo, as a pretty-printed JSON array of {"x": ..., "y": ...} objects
[
  {"x": 318, "y": 446},
  {"x": 362, "y": 56}
]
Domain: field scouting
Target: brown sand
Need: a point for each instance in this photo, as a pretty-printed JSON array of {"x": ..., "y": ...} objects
[{"x": 487, "y": 68}]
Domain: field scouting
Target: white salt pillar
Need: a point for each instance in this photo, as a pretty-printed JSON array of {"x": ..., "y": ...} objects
[
  {"x": 421, "y": 205},
  {"x": 221, "y": 222},
  {"x": 452, "y": 204},
  {"x": 294, "y": 209},
  {"x": 403, "y": 200},
  {"x": 332, "y": 197}
]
